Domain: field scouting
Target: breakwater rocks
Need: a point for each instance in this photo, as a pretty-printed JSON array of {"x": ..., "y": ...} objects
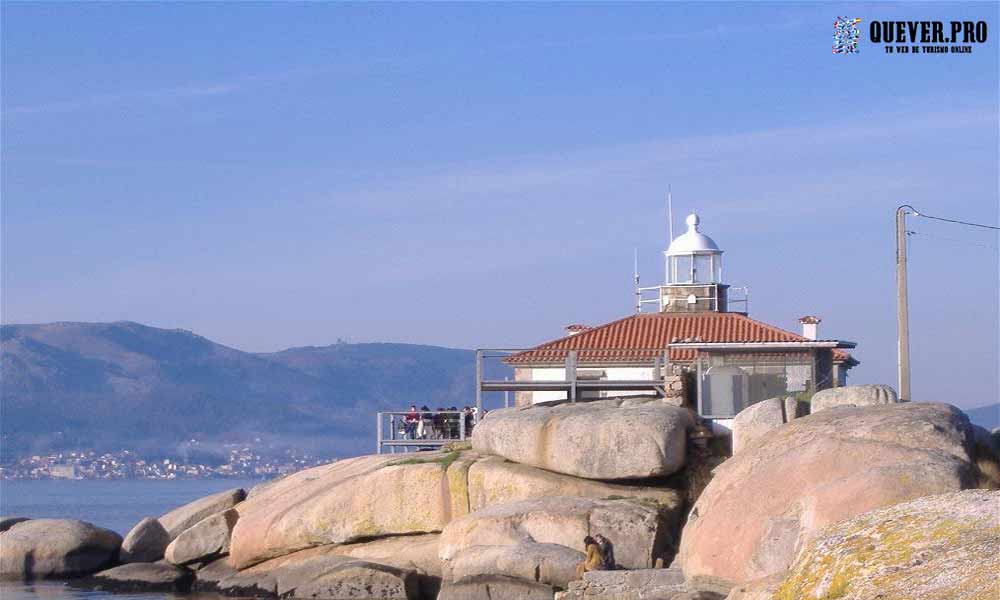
[{"x": 505, "y": 517}]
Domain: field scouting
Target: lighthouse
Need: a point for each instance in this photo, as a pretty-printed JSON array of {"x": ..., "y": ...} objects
[{"x": 693, "y": 273}]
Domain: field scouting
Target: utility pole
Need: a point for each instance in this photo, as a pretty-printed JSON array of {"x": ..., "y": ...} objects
[{"x": 902, "y": 309}]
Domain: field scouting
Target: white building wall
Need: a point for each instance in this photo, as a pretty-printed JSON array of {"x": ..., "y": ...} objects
[
  {"x": 610, "y": 373},
  {"x": 547, "y": 374}
]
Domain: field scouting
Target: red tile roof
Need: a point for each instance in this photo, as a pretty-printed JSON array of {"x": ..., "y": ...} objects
[{"x": 643, "y": 336}]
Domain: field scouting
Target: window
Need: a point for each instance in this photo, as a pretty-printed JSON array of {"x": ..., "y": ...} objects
[
  {"x": 733, "y": 381},
  {"x": 680, "y": 269},
  {"x": 702, "y": 269}
]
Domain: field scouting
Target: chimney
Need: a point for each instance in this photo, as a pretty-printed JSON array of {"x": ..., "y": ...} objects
[
  {"x": 576, "y": 328},
  {"x": 810, "y": 324}
]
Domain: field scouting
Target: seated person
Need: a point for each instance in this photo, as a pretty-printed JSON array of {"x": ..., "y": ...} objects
[{"x": 594, "y": 560}]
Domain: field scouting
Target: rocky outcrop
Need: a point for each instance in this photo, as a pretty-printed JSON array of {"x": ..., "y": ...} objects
[
  {"x": 852, "y": 395},
  {"x": 220, "y": 576},
  {"x": 313, "y": 573},
  {"x": 638, "y": 531},
  {"x": 944, "y": 547},
  {"x": 8, "y": 522},
  {"x": 644, "y": 584},
  {"x": 814, "y": 471},
  {"x": 491, "y": 587},
  {"x": 549, "y": 564},
  {"x": 756, "y": 420},
  {"x": 143, "y": 577},
  {"x": 49, "y": 548},
  {"x": 605, "y": 439},
  {"x": 184, "y": 517},
  {"x": 494, "y": 480},
  {"x": 205, "y": 541},
  {"x": 758, "y": 589},
  {"x": 380, "y": 496},
  {"x": 352, "y": 580},
  {"x": 353, "y": 499},
  {"x": 145, "y": 543},
  {"x": 417, "y": 553},
  {"x": 795, "y": 408}
]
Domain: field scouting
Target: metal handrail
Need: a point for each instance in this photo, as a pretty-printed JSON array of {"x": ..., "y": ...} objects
[
  {"x": 382, "y": 440},
  {"x": 572, "y": 384}
]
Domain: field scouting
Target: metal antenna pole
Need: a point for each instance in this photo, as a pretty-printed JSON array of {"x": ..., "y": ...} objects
[
  {"x": 670, "y": 227},
  {"x": 635, "y": 280},
  {"x": 670, "y": 213},
  {"x": 902, "y": 308}
]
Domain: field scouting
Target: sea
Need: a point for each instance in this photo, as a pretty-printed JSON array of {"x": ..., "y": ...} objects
[{"x": 116, "y": 505}]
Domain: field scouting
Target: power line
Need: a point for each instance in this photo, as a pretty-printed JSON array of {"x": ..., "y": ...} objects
[
  {"x": 920, "y": 214},
  {"x": 948, "y": 239}
]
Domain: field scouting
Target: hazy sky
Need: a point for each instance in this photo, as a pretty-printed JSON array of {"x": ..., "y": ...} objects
[{"x": 478, "y": 175}]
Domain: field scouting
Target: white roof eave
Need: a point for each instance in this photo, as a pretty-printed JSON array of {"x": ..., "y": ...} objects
[{"x": 669, "y": 252}]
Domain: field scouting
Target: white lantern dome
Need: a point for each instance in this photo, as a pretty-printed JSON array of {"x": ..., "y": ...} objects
[
  {"x": 693, "y": 257},
  {"x": 693, "y": 241}
]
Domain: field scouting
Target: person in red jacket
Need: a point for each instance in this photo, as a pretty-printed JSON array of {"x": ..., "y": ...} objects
[{"x": 410, "y": 422}]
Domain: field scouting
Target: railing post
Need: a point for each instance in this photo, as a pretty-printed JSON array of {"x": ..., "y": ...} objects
[
  {"x": 479, "y": 383},
  {"x": 461, "y": 426},
  {"x": 701, "y": 408},
  {"x": 378, "y": 433},
  {"x": 571, "y": 374}
]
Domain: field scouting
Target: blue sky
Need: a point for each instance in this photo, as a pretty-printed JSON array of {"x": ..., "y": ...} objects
[{"x": 271, "y": 175}]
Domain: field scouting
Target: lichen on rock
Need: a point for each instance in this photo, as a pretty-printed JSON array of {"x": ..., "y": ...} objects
[{"x": 944, "y": 547}]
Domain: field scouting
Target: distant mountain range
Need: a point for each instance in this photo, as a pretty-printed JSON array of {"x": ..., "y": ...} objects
[
  {"x": 114, "y": 386},
  {"x": 987, "y": 416},
  {"x": 109, "y": 386}
]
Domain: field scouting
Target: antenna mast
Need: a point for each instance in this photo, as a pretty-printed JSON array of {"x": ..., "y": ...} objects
[
  {"x": 635, "y": 278},
  {"x": 670, "y": 213},
  {"x": 670, "y": 228}
]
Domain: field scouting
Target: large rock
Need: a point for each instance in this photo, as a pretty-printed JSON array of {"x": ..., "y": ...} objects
[
  {"x": 550, "y": 564},
  {"x": 642, "y": 584},
  {"x": 48, "y": 548},
  {"x": 853, "y": 395},
  {"x": 817, "y": 470},
  {"x": 417, "y": 553},
  {"x": 208, "y": 577},
  {"x": 944, "y": 547},
  {"x": 319, "y": 573},
  {"x": 145, "y": 543},
  {"x": 355, "y": 580},
  {"x": 638, "y": 530},
  {"x": 179, "y": 519},
  {"x": 756, "y": 420},
  {"x": 205, "y": 541},
  {"x": 596, "y": 440},
  {"x": 381, "y": 496},
  {"x": 8, "y": 522},
  {"x": 143, "y": 577},
  {"x": 350, "y": 500},
  {"x": 493, "y": 480},
  {"x": 490, "y": 587},
  {"x": 758, "y": 589},
  {"x": 795, "y": 408}
]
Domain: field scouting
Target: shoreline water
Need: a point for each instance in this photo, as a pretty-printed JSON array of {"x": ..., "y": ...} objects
[{"x": 114, "y": 504}]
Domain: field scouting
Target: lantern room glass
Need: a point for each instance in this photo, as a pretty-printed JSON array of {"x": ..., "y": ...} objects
[{"x": 696, "y": 268}]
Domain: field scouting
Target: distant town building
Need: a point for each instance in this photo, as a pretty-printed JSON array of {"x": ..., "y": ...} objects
[
  {"x": 699, "y": 341},
  {"x": 63, "y": 471}
]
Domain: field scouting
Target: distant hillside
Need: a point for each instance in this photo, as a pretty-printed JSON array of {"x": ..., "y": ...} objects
[
  {"x": 985, "y": 416},
  {"x": 126, "y": 385}
]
